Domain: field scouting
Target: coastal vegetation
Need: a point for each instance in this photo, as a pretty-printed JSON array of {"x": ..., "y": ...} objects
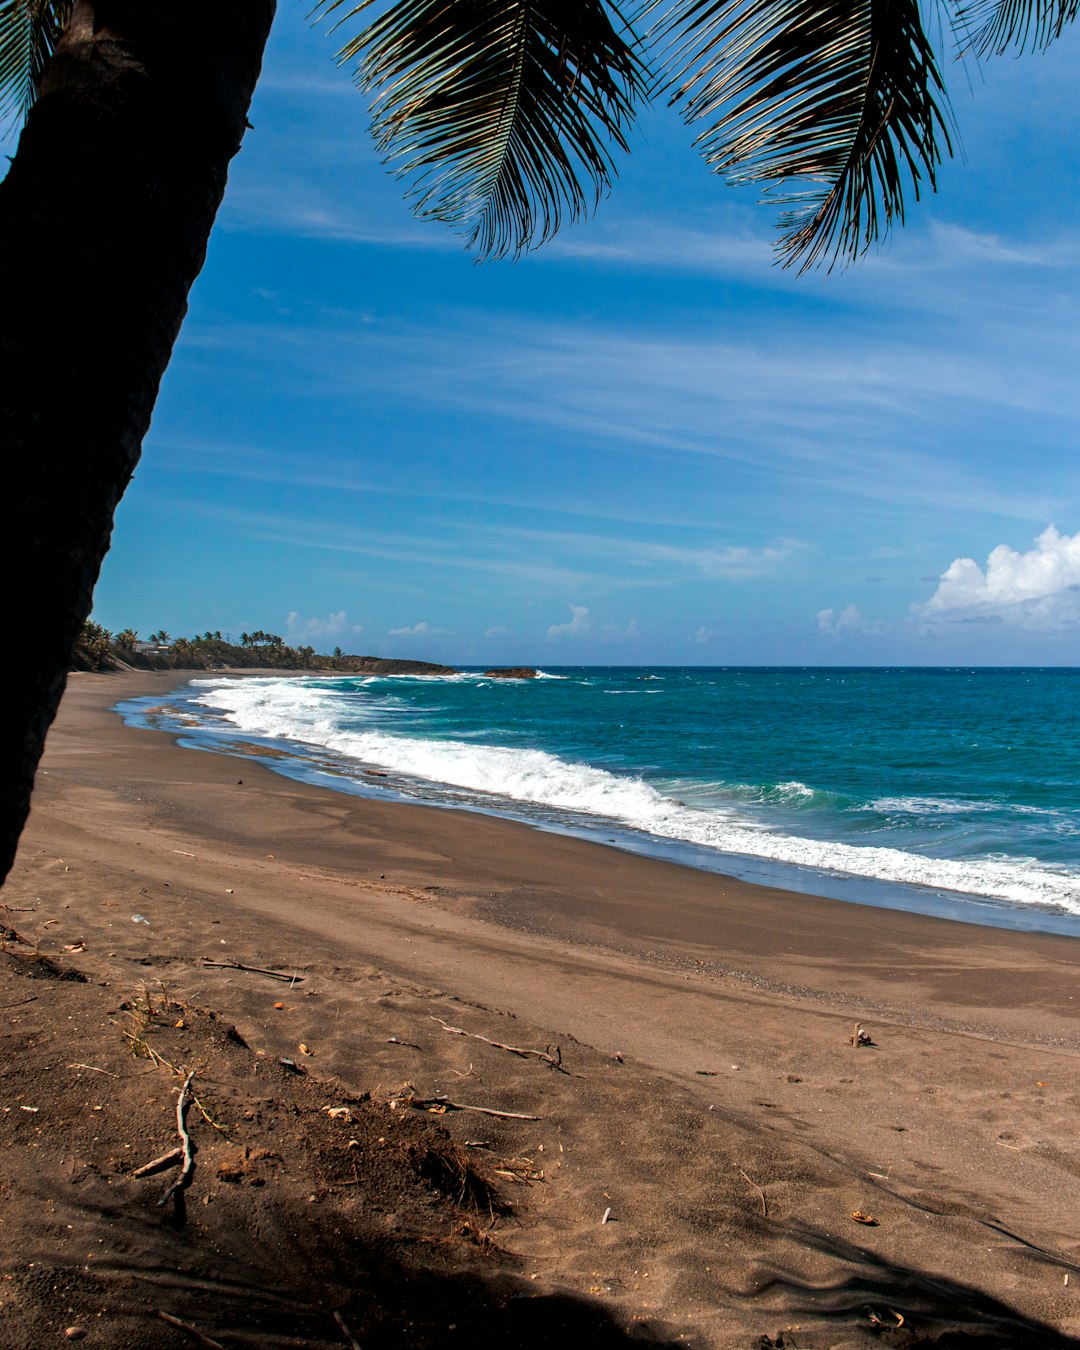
[
  {"x": 97, "y": 649},
  {"x": 505, "y": 117}
]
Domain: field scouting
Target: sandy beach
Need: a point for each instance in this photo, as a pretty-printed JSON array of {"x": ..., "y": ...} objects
[{"x": 691, "y": 1153}]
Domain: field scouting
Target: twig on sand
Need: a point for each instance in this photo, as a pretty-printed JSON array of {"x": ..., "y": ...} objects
[
  {"x": 354, "y": 1344},
  {"x": 94, "y": 1068},
  {"x": 184, "y": 1179},
  {"x": 445, "y": 1104},
  {"x": 32, "y": 999},
  {"x": 159, "y": 1164},
  {"x": 750, "y": 1182},
  {"x": 554, "y": 1059},
  {"x": 191, "y": 1331},
  {"x": 258, "y": 970}
]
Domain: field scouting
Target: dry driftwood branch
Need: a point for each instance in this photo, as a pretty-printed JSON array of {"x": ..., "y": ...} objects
[
  {"x": 159, "y": 1164},
  {"x": 423, "y": 1103},
  {"x": 354, "y": 1344},
  {"x": 188, "y": 1168},
  {"x": 750, "y": 1182},
  {"x": 258, "y": 970},
  {"x": 191, "y": 1331},
  {"x": 555, "y": 1060}
]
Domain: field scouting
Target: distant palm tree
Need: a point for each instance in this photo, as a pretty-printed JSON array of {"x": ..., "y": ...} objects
[{"x": 504, "y": 115}]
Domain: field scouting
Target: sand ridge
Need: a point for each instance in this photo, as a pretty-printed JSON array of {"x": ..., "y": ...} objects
[{"x": 712, "y": 1105}]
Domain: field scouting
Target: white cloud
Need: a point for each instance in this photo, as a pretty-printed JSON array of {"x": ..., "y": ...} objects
[
  {"x": 496, "y": 631},
  {"x": 1038, "y": 590},
  {"x": 614, "y": 631},
  {"x": 314, "y": 630},
  {"x": 417, "y": 630},
  {"x": 704, "y": 634},
  {"x": 578, "y": 624},
  {"x": 848, "y": 620}
]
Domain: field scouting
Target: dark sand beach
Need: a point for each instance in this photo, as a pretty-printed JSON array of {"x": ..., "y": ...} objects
[{"x": 706, "y": 1101}]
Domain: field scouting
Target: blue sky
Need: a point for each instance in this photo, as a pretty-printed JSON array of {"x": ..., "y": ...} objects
[{"x": 643, "y": 443}]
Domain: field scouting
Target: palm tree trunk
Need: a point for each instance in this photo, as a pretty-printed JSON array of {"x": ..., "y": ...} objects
[{"x": 104, "y": 220}]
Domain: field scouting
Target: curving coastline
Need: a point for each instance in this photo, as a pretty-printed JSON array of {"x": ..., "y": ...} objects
[{"x": 707, "y": 1038}]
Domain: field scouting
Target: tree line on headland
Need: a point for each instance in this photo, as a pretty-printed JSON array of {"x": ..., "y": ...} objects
[{"x": 99, "y": 650}]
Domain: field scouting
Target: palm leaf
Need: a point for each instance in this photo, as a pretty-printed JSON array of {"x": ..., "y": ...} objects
[
  {"x": 1030, "y": 25},
  {"x": 502, "y": 114},
  {"x": 842, "y": 94},
  {"x": 29, "y": 32}
]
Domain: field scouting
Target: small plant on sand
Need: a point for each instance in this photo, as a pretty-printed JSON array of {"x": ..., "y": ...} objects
[{"x": 147, "y": 1011}]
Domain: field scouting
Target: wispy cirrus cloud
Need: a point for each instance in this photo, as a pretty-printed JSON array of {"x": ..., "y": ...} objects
[
  {"x": 417, "y": 630},
  {"x": 717, "y": 561},
  {"x": 887, "y": 419}
]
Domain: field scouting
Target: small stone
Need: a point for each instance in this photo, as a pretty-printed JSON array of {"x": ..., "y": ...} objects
[{"x": 75, "y": 1333}]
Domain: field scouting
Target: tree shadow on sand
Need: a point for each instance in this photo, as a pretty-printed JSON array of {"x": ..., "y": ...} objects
[
  {"x": 445, "y": 1292},
  {"x": 316, "y": 1300},
  {"x": 887, "y": 1302}
]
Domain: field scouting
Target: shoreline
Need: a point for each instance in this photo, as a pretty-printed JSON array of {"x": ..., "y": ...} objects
[
  {"x": 305, "y": 765},
  {"x": 704, "y": 1023},
  {"x": 510, "y": 874}
]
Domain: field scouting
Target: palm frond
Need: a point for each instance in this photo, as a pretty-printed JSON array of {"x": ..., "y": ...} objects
[
  {"x": 993, "y": 26},
  {"x": 843, "y": 95},
  {"x": 29, "y": 32},
  {"x": 502, "y": 114}
]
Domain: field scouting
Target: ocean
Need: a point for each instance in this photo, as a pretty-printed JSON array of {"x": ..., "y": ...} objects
[{"x": 953, "y": 792}]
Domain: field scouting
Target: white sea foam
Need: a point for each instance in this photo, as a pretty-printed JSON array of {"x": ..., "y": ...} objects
[
  {"x": 300, "y": 711},
  {"x": 930, "y": 806},
  {"x": 946, "y": 806}
]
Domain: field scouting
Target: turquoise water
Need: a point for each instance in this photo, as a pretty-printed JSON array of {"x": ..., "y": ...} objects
[{"x": 946, "y": 791}]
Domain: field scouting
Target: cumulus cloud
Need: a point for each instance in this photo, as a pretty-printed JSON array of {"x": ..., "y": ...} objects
[
  {"x": 847, "y": 620},
  {"x": 334, "y": 627},
  {"x": 1038, "y": 590},
  {"x": 578, "y": 624},
  {"x": 417, "y": 630}
]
